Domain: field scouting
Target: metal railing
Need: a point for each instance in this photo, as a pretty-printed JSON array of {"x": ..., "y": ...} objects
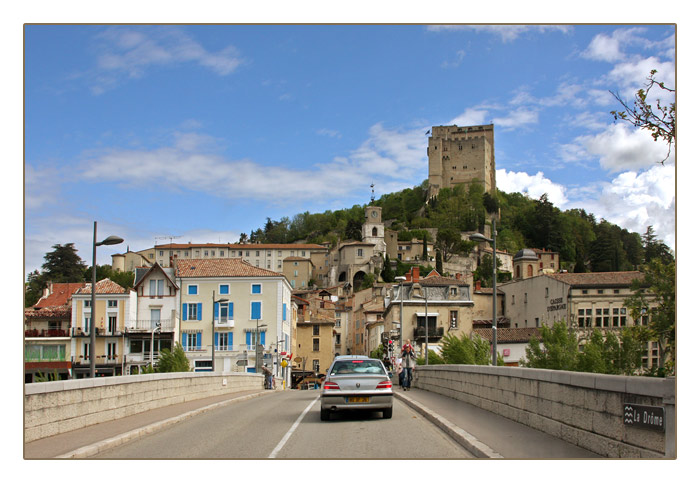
[
  {"x": 47, "y": 333},
  {"x": 146, "y": 325},
  {"x": 433, "y": 332}
]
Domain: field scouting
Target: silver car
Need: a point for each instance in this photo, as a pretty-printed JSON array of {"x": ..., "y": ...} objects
[{"x": 356, "y": 383}]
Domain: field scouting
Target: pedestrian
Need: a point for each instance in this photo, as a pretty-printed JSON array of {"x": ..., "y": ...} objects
[
  {"x": 399, "y": 369},
  {"x": 409, "y": 362}
]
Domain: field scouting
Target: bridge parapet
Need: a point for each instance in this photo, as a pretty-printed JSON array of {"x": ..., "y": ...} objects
[
  {"x": 584, "y": 409},
  {"x": 57, "y": 407}
]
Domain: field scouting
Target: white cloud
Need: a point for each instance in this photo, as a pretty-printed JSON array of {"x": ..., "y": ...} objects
[
  {"x": 389, "y": 156},
  {"x": 636, "y": 200},
  {"x": 532, "y": 186},
  {"x": 470, "y": 117},
  {"x": 610, "y": 48},
  {"x": 128, "y": 52},
  {"x": 507, "y": 33},
  {"x": 620, "y": 148}
]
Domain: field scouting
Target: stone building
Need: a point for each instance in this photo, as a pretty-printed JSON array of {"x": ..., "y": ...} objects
[{"x": 457, "y": 155}]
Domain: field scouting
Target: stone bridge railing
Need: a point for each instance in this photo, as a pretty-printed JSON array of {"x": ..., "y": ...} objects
[
  {"x": 614, "y": 416},
  {"x": 57, "y": 407}
]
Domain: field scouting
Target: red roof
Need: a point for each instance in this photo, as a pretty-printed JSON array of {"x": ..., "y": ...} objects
[
  {"x": 105, "y": 286},
  {"x": 60, "y": 294}
]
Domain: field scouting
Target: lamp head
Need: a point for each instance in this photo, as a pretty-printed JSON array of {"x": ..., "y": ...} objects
[{"x": 111, "y": 240}]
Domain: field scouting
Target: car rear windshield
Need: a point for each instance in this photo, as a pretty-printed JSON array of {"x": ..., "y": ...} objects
[{"x": 357, "y": 367}]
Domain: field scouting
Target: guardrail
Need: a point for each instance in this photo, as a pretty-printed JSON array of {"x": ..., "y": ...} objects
[{"x": 614, "y": 416}]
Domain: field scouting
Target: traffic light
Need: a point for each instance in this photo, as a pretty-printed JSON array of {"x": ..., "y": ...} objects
[{"x": 391, "y": 345}]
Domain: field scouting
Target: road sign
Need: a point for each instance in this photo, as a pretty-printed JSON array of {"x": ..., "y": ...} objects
[{"x": 647, "y": 417}]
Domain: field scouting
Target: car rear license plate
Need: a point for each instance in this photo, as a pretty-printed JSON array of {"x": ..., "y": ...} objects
[{"x": 356, "y": 399}]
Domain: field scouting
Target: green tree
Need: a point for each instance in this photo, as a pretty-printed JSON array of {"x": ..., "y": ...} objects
[
  {"x": 173, "y": 361},
  {"x": 655, "y": 117},
  {"x": 558, "y": 350},
  {"x": 387, "y": 274},
  {"x": 654, "y": 297},
  {"x": 425, "y": 248},
  {"x": 438, "y": 261},
  {"x": 465, "y": 350},
  {"x": 63, "y": 265},
  {"x": 34, "y": 288},
  {"x": 654, "y": 248}
]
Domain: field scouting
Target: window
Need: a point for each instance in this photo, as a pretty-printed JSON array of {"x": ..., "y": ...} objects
[
  {"x": 192, "y": 341},
  {"x": 112, "y": 303},
  {"x": 221, "y": 253},
  {"x": 316, "y": 329},
  {"x": 256, "y": 288},
  {"x": 223, "y": 289},
  {"x": 454, "y": 319},
  {"x": 87, "y": 303},
  {"x": 192, "y": 289},
  {"x": 192, "y": 311},
  {"x": 256, "y": 310},
  {"x": 155, "y": 288},
  {"x": 111, "y": 351},
  {"x": 223, "y": 341},
  {"x": 206, "y": 253},
  {"x": 112, "y": 324},
  {"x": 316, "y": 365},
  {"x": 546, "y": 292},
  {"x": 317, "y": 345},
  {"x": 257, "y": 253},
  {"x": 359, "y": 252}
]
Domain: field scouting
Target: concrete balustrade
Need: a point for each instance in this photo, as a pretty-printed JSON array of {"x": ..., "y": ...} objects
[
  {"x": 580, "y": 408},
  {"x": 57, "y": 407}
]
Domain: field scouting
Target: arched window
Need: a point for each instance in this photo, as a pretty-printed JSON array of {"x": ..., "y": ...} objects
[
  {"x": 529, "y": 271},
  {"x": 517, "y": 271},
  {"x": 374, "y": 231}
]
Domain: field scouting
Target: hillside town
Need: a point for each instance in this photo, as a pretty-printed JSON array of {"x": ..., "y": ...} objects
[{"x": 289, "y": 309}]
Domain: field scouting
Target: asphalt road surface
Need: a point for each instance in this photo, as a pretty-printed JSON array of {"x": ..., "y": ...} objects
[{"x": 287, "y": 425}]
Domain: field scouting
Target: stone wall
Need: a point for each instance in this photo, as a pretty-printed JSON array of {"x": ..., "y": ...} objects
[
  {"x": 57, "y": 407},
  {"x": 580, "y": 408}
]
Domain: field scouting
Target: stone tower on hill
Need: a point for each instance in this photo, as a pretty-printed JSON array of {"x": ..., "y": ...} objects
[{"x": 457, "y": 155}]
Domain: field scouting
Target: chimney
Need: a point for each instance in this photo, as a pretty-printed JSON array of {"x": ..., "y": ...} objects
[
  {"x": 458, "y": 276},
  {"x": 478, "y": 285},
  {"x": 416, "y": 274}
]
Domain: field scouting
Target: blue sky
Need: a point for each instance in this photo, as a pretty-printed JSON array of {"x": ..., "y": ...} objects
[{"x": 205, "y": 131}]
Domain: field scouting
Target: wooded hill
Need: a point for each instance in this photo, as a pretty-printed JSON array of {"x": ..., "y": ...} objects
[{"x": 584, "y": 243}]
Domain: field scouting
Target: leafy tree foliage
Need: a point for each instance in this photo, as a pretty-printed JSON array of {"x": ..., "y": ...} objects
[
  {"x": 559, "y": 349},
  {"x": 173, "y": 361},
  {"x": 655, "y": 297},
  {"x": 657, "y": 118},
  {"x": 63, "y": 264}
]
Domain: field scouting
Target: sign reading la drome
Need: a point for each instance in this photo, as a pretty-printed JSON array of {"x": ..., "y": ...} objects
[{"x": 649, "y": 417}]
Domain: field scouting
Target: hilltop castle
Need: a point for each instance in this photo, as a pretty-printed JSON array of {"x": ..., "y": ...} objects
[{"x": 457, "y": 155}]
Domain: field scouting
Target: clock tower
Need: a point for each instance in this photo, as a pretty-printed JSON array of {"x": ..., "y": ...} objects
[{"x": 373, "y": 229}]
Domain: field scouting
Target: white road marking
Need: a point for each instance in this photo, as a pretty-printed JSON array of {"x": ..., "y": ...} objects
[{"x": 283, "y": 441}]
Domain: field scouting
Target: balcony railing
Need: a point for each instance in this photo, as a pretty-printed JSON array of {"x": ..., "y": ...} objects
[
  {"x": 147, "y": 325},
  {"x": 85, "y": 360},
  {"x": 47, "y": 333},
  {"x": 433, "y": 333},
  {"x": 102, "y": 332}
]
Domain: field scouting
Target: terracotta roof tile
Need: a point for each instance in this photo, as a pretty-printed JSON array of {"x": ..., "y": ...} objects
[
  {"x": 220, "y": 267},
  {"x": 105, "y": 286},
  {"x": 60, "y": 294},
  {"x": 597, "y": 278},
  {"x": 439, "y": 280}
]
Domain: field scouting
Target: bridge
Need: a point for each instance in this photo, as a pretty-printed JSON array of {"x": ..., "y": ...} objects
[{"x": 452, "y": 412}]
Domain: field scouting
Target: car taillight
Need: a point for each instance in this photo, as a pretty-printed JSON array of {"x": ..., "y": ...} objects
[
  {"x": 330, "y": 385},
  {"x": 384, "y": 385}
]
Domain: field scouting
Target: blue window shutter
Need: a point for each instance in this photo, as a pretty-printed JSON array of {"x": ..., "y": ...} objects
[
  {"x": 247, "y": 338},
  {"x": 230, "y": 341},
  {"x": 199, "y": 311},
  {"x": 216, "y": 339},
  {"x": 284, "y": 311},
  {"x": 262, "y": 338},
  {"x": 216, "y": 310},
  {"x": 255, "y": 310},
  {"x": 184, "y": 311},
  {"x": 184, "y": 341},
  {"x": 230, "y": 311},
  {"x": 199, "y": 340}
]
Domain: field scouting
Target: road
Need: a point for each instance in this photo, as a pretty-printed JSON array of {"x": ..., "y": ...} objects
[{"x": 286, "y": 424}]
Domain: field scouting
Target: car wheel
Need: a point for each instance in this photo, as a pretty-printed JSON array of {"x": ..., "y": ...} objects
[
  {"x": 386, "y": 413},
  {"x": 325, "y": 414}
]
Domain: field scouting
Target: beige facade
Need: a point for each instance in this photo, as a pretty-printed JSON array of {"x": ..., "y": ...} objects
[
  {"x": 585, "y": 301},
  {"x": 114, "y": 307},
  {"x": 413, "y": 250},
  {"x": 234, "y": 310},
  {"x": 529, "y": 263},
  {"x": 449, "y": 310},
  {"x": 298, "y": 271},
  {"x": 457, "y": 155}
]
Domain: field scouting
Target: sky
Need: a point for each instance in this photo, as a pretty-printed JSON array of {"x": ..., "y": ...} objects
[{"x": 202, "y": 132}]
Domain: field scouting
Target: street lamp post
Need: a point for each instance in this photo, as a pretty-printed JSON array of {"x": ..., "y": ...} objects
[
  {"x": 213, "y": 324},
  {"x": 110, "y": 240},
  {"x": 425, "y": 294},
  {"x": 257, "y": 341},
  {"x": 478, "y": 237},
  {"x": 401, "y": 280}
]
